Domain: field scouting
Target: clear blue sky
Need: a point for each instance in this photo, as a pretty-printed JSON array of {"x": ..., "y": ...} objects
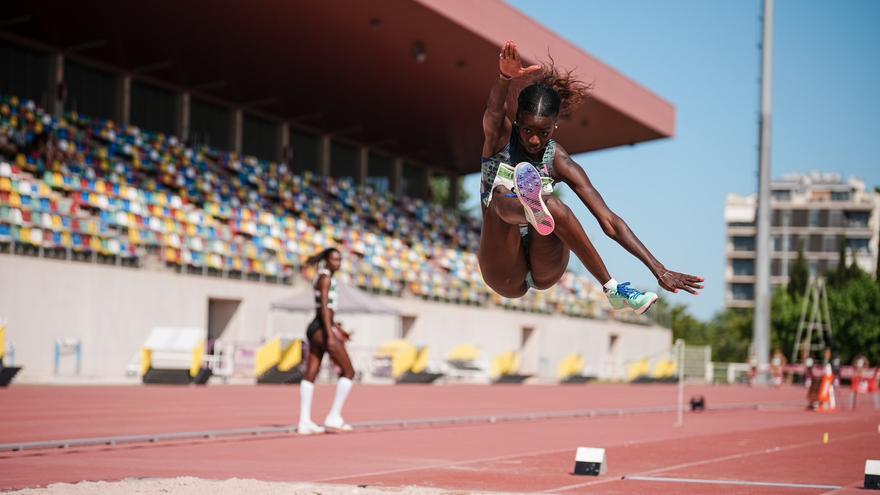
[{"x": 702, "y": 56}]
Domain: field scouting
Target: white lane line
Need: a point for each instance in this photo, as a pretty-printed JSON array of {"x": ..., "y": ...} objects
[{"x": 731, "y": 482}]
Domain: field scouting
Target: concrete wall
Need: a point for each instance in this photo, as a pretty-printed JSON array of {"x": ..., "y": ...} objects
[
  {"x": 494, "y": 331},
  {"x": 112, "y": 309}
]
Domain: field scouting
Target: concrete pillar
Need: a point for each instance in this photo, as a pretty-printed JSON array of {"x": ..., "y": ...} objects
[
  {"x": 324, "y": 155},
  {"x": 236, "y": 130},
  {"x": 363, "y": 164},
  {"x": 454, "y": 184},
  {"x": 55, "y": 100},
  {"x": 123, "y": 99},
  {"x": 426, "y": 183},
  {"x": 284, "y": 154},
  {"x": 397, "y": 176},
  {"x": 183, "y": 119}
]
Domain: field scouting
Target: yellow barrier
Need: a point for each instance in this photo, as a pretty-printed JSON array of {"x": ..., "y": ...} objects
[
  {"x": 572, "y": 365},
  {"x": 267, "y": 356},
  {"x": 500, "y": 365},
  {"x": 421, "y": 363},
  {"x": 507, "y": 363},
  {"x": 665, "y": 369},
  {"x": 198, "y": 354},
  {"x": 146, "y": 360},
  {"x": 291, "y": 356},
  {"x": 2, "y": 342},
  {"x": 403, "y": 356},
  {"x": 514, "y": 364},
  {"x": 637, "y": 369},
  {"x": 463, "y": 352}
]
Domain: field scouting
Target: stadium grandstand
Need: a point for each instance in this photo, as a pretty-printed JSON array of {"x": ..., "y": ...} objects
[{"x": 176, "y": 167}]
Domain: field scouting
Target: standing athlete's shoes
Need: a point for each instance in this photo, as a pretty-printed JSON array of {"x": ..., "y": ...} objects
[
  {"x": 336, "y": 424},
  {"x": 309, "y": 428}
]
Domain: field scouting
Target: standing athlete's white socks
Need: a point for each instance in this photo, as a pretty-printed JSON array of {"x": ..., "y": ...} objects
[
  {"x": 343, "y": 387},
  {"x": 306, "y": 391},
  {"x": 610, "y": 286}
]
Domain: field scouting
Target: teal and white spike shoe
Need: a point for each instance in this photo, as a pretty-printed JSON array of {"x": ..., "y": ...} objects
[
  {"x": 625, "y": 297},
  {"x": 528, "y": 190}
]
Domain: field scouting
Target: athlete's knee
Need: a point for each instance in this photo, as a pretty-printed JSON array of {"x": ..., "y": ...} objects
[
  {"x": 311, "y": 374},
  {"x": 544, "y": 283},
  {"x": 506, "y": 213},
  {"x": 508, "y": 289},
  {"x": 557, "y": 208}
]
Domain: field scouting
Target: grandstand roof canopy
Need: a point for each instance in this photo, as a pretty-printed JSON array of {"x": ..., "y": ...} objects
[{"x": 349, "y": 68}]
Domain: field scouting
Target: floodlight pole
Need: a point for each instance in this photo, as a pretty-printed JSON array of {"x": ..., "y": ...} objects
[{"x": 761, "y": 329}]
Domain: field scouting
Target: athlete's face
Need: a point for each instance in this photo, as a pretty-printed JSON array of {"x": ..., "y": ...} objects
[
  {"x": 535, "y": 131},
  {"x": 334, "y": 261}
]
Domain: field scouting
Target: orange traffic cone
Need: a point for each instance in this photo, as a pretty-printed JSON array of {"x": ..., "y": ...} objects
[{"x": 827, "y": 400}]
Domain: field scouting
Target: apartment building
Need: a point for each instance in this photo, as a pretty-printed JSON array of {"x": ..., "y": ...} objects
[{"x": 816, "y": 211}]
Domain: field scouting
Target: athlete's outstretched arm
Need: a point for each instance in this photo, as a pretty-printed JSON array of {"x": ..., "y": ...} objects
[
  {"x": 496, "y": 125},
  {"x": 614, "y": 227}
]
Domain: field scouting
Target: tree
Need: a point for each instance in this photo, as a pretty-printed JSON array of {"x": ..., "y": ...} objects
[
  {"x": 440, "y": 191},
  {"x": 728, "y": 333},
  {"x": 798, "y": 274},
  {"x": 877, "y": 271},
  {"x": 855, "y": 318},
  {"x": 785, "y": 312},
  {"x": 854, "y": 307}
]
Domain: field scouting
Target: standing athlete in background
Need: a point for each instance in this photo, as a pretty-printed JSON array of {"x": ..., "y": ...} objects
[
  {"x": 527, "y": 233},
  {"x": 324, "y": 335}
]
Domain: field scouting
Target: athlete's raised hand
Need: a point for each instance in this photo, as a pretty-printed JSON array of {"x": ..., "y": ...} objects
[
  {"x": 510, "y": 64},
  {"x": 674, "y": 281}
]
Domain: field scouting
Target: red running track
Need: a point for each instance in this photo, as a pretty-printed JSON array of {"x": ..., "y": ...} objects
[{"x": 773, "y": 445}]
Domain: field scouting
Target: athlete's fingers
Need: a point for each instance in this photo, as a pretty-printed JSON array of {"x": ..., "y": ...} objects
[{"x": 692, "y": 291}]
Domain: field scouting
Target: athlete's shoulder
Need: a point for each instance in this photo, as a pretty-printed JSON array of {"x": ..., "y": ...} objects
[
  {"x": 562, "y": 158},
  {"x": 322, "y": 280}
]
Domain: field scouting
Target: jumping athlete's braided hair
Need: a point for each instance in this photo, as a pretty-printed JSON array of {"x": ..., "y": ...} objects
[{"x": 555, "y": 93}]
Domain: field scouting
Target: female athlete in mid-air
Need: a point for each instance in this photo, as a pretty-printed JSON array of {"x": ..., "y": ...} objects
[
  {"x": 325, "y": 335},
  {"x": 527, "y": 233}
]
